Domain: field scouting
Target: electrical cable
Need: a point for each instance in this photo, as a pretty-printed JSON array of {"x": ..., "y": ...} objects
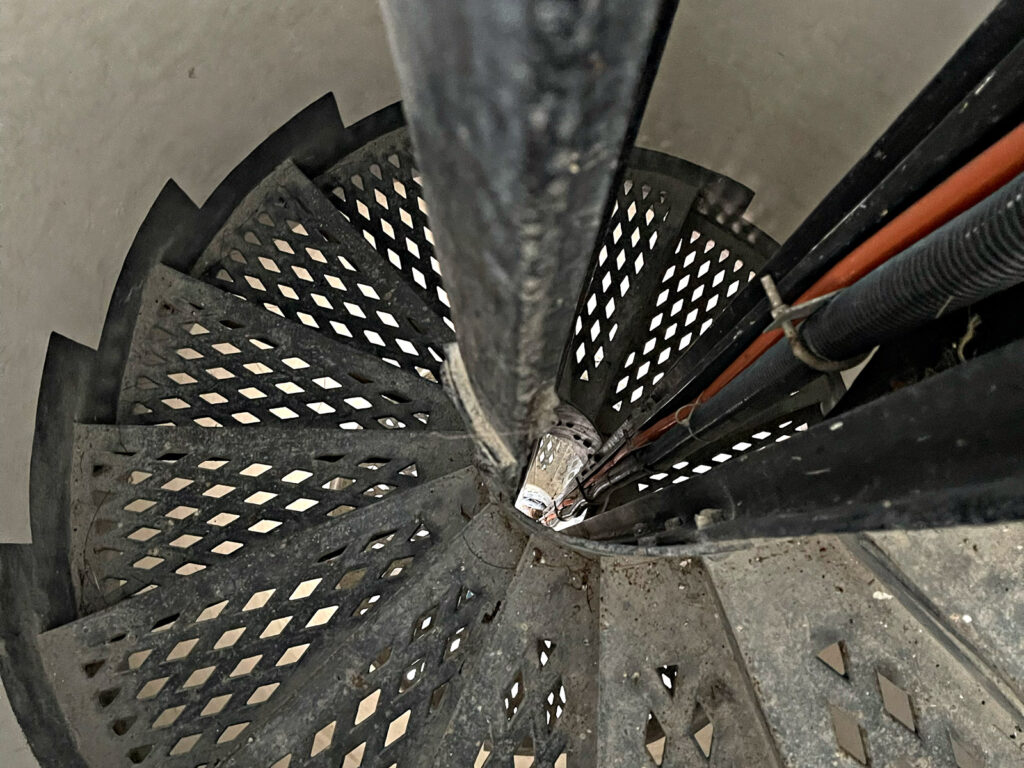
[{"x": 974, "y": 181}]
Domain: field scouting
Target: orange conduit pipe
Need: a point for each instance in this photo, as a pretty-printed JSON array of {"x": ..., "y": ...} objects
[{"x": 973, "y": 182}]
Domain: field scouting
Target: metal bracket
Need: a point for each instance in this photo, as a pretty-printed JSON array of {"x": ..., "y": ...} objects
[{"x": 783, "y": 316}]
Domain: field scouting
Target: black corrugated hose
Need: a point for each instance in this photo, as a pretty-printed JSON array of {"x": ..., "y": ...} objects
[{"x": 976, "y": 255}]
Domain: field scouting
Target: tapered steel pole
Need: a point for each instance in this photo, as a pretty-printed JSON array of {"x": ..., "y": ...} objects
[{"x": 519, "y": 112}]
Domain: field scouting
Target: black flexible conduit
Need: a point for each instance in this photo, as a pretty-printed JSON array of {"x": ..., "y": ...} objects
[{"x": 977, "y": 254}]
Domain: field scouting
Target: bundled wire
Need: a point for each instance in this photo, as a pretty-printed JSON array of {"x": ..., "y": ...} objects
[{"x": 987, "y": 172}]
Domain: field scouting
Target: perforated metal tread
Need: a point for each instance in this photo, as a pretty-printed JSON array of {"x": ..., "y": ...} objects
[
  {"x": 152, "y": 506},
  {"x": 308, "y": 598},
  {"x": 531, "y": 693},
  {"x": 664, "y": 271},
  {"x": 175, "y": 677},
  {"x": 664, "y": 212},
  {"x": 286, "y": 248},
  {"x": 844, "y": 660},
  {"x": 379, "y": 191},
  {"x": 674, "y": 471},
  {"x": 673, "y": 689},
  {"x": 386, "y": 694},
  {"x": 200, "y": 355}
]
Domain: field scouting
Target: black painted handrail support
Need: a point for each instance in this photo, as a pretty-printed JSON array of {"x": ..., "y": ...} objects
[{"x": 519, "y": 113}]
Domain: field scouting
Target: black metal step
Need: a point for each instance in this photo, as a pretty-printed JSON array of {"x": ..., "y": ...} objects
[
  {"x": 664, "y": 205},
  {"x": 663, "y": 271},
  {"x": 287, "y": 249},
  {"x": 379, "y": 191},
  {"x": 152, "y": 505},
  {"x": 638, "y": 511},
  {"x": 385, "y": 693},
  {"x": 200, "y": 355},
  {"x": 531, "y": 693},
  {"x": 186, "y": 674}
]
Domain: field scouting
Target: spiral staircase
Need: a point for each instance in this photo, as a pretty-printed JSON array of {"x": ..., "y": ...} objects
[{"x": 269, "y": 533}]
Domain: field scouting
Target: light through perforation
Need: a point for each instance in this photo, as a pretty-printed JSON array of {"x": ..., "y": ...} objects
[
  {"x": 626, "y": 252},
  {"x": 259, "y": 377},
  {"x": 185, "y": 513},
  {"x": 256, "y": 647},
  {"x": 692, "y": 292},
  {"x": 703, "y": 462},
  {"x": 379, "y": 193},
  {"x": 280, "y": 270}
]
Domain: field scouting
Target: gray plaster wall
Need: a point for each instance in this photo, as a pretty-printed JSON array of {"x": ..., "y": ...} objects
[
  {"x": 101, "y": 102},
  {"x": 785, "y": 95}
]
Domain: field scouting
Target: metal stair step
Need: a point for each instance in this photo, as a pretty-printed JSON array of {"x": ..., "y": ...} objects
[
  {"x": 287, "y": 249},
  {"x": 379, "y": 191},
  {"x": 662, "y": 272},
  {"x": 184, "y": 674},
  {"x": 200, "y": 355},
  {"x": 851, "y": 669},
  {"x": 673, "y": 690},
  {"x": 384, "y": 694},
  {"x": 971, "y": 578},
  {"x": 530, "y": 696},
  {"x": 151, "y": 505}
]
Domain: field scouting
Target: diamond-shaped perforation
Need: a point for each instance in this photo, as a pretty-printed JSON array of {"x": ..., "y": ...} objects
[
  {"x": 201, "y": 356},
  {"x": 632, "y": 235},
  {"x": 675, "y": 722},
  {"x": 672, "y": 697},
  {"x": 534, "y": 681},
  {"x": 178, "y": 664},
  {"x": 403, "y": 680},
  {"x": 672, "y": 471},
  {"x": 379, "y": 191},
  {"x": 655, "y": 740},
  {"x": 666, "y": 268},
  {"x": 289, "y": 250},
  {"x": 875, "y": 685},
  {"x": 417, "y": 665},
  {"x": 692, "y": 290},
  {"x": 155, "y": 508}
]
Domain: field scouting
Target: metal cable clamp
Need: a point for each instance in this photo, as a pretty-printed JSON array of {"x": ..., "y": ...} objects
[{"x": 783, "y": 316}]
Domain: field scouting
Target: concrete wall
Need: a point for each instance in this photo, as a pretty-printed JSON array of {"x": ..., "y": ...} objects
[
  {"x": 785, "y": 95},
  {"x": 102, "y": 102}
]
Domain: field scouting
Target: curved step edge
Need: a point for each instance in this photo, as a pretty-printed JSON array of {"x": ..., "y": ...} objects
[
  {"x": 385, "y": 693},
  {"x": 35, "y": 580},
  {"x": 118, "y": 671},
  {"x": 175, "y": 230},
  {"x": 216, "y": 328},
  {"x": 322, "y": 225}
]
